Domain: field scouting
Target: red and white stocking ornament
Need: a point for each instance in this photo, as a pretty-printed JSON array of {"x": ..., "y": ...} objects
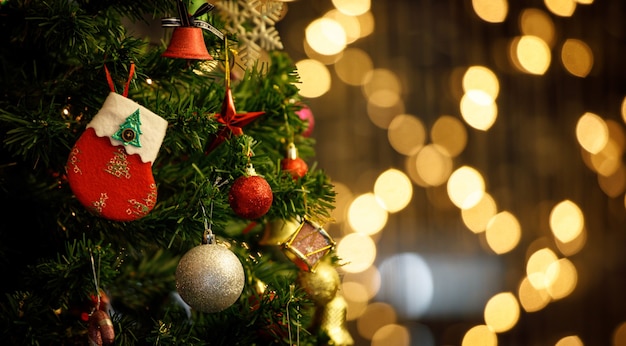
[
  {"x": 293, "y": 164},
  {"x": 109, "y": 168},
  {"x": 250, "y": 196}
]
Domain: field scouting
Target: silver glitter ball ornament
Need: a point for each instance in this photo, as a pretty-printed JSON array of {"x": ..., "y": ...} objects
[{"x": 209, "y": 278}]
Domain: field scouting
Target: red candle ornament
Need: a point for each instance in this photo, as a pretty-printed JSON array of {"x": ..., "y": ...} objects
[{"x": 293, "y": 164}]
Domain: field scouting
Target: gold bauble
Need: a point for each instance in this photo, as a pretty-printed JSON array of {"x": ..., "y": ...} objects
[
  {"x": 322, "y": 284},
  {"x": 333, "y": 322},
  {"x": 210, "y": 278},
  {"x": 278, "y": 231}
]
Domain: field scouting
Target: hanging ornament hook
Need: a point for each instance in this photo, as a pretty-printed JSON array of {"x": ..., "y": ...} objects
[
  {"x": 96, "y": 279},
  {"x": 226, "y": 63},
  {"x": 208, "y": 237},
  {"x": 297, "y": 323}
]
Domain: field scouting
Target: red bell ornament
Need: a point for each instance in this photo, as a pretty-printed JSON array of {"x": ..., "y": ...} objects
[{"x": 187, "y": 43}]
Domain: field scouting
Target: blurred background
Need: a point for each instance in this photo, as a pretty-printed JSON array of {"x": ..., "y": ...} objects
[{"x": 477, "y": 148}]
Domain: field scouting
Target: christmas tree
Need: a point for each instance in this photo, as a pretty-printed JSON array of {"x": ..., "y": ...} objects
[{"x": 159, "y": 191}]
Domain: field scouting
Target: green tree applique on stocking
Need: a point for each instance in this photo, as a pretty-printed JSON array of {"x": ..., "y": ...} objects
[{"x": 130, "y": 130}]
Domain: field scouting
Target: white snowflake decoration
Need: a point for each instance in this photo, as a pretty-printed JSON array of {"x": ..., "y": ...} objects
[{"x": 253, "y": 23}]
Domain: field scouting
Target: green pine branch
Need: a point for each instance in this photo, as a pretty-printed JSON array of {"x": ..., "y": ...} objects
[{"x": 52, "y": 79}]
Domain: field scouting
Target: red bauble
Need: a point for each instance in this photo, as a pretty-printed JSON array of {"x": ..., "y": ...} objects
[
  {"x": 250, "y": 197},
  {"x": 297, "y": 167}
]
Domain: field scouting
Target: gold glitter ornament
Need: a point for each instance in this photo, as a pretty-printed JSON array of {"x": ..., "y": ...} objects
[
  {"x": 322, "y": 284},
  {"x": 209, "y": 278},
  {"x": 278, "y": 231},
  {"x": 333, "y": 322}
]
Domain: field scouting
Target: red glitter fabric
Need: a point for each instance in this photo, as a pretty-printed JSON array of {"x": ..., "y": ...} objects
[
  {"x": 108, "y": 181},
  {"x": 250, "y": 197}
]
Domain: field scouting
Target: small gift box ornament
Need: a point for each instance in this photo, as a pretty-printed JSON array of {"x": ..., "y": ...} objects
[{"x": 308, "y": 245}]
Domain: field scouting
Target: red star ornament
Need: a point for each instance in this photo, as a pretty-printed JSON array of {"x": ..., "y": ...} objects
[{"x": 233, "y": 122}]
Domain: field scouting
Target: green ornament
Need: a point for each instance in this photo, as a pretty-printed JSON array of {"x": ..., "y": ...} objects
[{"x": 130, "y": 130}]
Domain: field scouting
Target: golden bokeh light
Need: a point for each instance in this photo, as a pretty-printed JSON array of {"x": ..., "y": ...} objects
[
  {"x": 410, "y": 167},
  {"x": 585, "y": 2},
  {"x": 366, "y": 23},
  {"x": 406, "y": 134},
  {"x": 536, "y": 22},
  {"x": 480, "y": 335},
  {"x": 434, "y": 165},
  {"x": 381, "y": 79},
  {"x": 572, "y": 340},
  {"x": 537, "y": 267},
  {"x": 592, "y": 132},
  {"x": 491, "y": 11},
  {"x": 375, "y": 316},
  {"x": 530, "y": 54},
  {"x": 449, "y": 133},
  {"x": 358, "y": 251},
  {"x": 324, "y": 59},
  {"x": 608, "y": 160},
  {"x": 563, "y": 278},
  {"x": 501, "y": 312},
  {"x": 619, "y": 335},
  {"x": 382, "y": 116},
  {"x": 392, "y": 334},
  {"x": 503, "y": 232},
  {"x": 369, "y": 279},
  {"x": 477, "y": 217},
  {"x": 614, "y": 184},
  {"x": 384, "y": 98},
  {"x": 562, "y": 8},
  {"x": 574, "y": 246},
  {"x": 353, "y": 65},
  {"x": 532, "y": 299},
  {"x": 315, "y": 78},
  {"x": 465, "y": 187},
  {"x": 393, "y": 190},
  {"x": 352, "y": 7},
  {"x": 616, "y": 133},
  {"x": 366, "y": 215},
  {"x": 356, "y": 297},
  {"x": 481, "y": 78},
  {"x": 326, "y": 36},
  {"x": 577, "y": 57},
  {"x": 623, "y": 110},
  {"x": 566, "y": 221},
  {"x": 343, "y": 198},
  {"x": 478, "y": 110},
  {"x": 350, "y": 24}
]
